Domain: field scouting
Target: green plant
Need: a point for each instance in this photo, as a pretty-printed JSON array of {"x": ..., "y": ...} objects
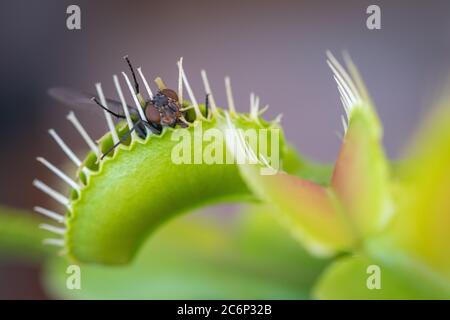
[
  {"x": 361, "y": 212},
  {"x": 394, "y": 222}
]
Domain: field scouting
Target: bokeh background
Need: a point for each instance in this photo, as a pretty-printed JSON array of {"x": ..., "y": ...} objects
[{"x": 275, "y": 48}]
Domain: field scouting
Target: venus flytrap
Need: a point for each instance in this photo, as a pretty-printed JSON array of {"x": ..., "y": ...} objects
[
  {"x": 360, "y": 177},
  {"x": 411, "y": 243},
  {"x": 313, "y": 215},
  {"x": 117, "y": 201},
  {"x": 395, "y": 224},
  {"x": 356, "y": 203}
]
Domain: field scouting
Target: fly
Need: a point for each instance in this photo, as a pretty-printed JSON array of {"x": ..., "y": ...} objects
[{"x": 164, "y": 109}]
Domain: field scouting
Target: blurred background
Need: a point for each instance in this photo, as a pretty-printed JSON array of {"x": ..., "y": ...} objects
[{"x": 274, "y": 48}]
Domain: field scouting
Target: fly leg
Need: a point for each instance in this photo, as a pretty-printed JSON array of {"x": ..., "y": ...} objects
[
  {"x": 121, "y": 116},
  {"x": 124, "y": 137}
]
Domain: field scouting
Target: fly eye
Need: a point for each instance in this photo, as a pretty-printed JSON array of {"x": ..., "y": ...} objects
[
  {"x": 170, "y": 94},
  {"x": 152, "y": 114}
]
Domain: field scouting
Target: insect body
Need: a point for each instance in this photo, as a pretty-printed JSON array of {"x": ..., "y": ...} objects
[{"x": 163, "y": 109}]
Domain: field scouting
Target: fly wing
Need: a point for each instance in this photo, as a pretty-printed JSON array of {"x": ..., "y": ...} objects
[{"x": 77, "y": 99}]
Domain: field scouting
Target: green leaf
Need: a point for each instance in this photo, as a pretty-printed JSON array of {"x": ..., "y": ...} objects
[
  {"x": 308, "y": 210},
  {"x": 355, "y": 277},
  {"x": 200, "y": 257},
  {"x": 421, "y": 225},
  {"x": 360, "y": 177},
  {"x": 20, "y": 236}
]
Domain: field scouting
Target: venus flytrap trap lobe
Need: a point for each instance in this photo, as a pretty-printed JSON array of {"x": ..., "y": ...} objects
[
  {"x": 402, "y": 221},
  {"x": 120, "y": 199},
  {"x": 360, "y": 177},
  {"x": 356, "y": 204}
]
